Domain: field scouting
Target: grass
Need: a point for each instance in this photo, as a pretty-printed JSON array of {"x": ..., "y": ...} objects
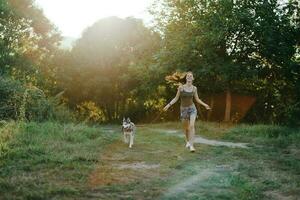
[
  {"x": 67, "y": 161},
  {"x": 48, "y": 160}
]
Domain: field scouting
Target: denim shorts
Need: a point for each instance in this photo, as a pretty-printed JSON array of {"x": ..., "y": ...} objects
[{"x": 186, "y": 112}]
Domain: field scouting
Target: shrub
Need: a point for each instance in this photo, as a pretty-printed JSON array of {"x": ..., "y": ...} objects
[{"x": 19, "y": 102}]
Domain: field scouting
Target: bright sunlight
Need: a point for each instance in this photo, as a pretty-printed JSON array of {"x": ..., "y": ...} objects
[{"x": 72, "y": 17}]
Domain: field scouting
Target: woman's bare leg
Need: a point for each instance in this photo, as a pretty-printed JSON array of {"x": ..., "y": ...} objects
[
  {"x": 186, "y": 129},
  {"x": 192, "y": 129}
]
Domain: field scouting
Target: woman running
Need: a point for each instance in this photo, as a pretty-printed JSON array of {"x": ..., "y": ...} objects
[{"x": 188, "y": 110}]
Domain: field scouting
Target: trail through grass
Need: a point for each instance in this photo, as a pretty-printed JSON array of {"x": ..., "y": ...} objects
[{"x": 53, "y": 161}]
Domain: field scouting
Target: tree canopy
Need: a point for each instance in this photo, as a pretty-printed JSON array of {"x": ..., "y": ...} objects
[
  {"x": 109, "y": 64},
  {"x": 245, "y": 46}
]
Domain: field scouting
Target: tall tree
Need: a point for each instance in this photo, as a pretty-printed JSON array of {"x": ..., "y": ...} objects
[
  {"x": 28, "y": 41},
  {"x": 108, "y": 63},
  {"x": 241, "y": 46}
]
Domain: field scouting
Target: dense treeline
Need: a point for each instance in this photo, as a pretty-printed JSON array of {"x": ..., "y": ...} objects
[
  {"x": 118, "y": 66},
  {"x": 247, "y": 47},
  {"x": 27, "y": 82}
]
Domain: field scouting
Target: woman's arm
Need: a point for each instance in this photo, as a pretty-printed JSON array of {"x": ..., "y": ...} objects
[
  {"x": 199, "y": 100},
  {"x": 174, "y": 100}
]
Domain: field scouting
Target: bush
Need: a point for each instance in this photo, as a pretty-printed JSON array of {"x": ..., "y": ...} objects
[
  {"x": 292, "y": 114},
  {"x": 19, "y": 102},
  {"x": 10, "y": 98},
  {"x": 37, "y": 107}
]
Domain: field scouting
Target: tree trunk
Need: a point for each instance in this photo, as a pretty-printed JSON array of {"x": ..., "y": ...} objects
[
  {"x": 118, "y": 110},
  {"x": 109, "y": 112},
  {"x": 228, "y": 106},
  {"x": 122, "y": 107}
]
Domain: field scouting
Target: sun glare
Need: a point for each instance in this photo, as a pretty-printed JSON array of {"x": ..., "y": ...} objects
[{"x": 72, "y": 17}]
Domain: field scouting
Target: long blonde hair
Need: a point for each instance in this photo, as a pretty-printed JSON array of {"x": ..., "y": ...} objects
[{"x": 177, "y": 78}]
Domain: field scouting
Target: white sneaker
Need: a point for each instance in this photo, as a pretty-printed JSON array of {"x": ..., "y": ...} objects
[
  {"x": 187, "y": 145},
  {"x": 192, "y": 148}
]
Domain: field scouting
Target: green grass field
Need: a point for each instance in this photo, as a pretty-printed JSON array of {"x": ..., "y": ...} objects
[{"x": 68, "y": 161}]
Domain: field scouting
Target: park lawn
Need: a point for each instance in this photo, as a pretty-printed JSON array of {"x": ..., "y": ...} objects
[{"x": 68, "y": 161}]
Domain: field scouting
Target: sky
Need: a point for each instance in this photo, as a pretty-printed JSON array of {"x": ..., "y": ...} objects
[{"x": 73, "y": 16}]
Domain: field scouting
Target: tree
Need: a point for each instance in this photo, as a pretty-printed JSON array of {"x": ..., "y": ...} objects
[
  {"x": 241, "y": 46},
  {"x": 28, "y": 40},
  {"x": 108, "y": 65}
]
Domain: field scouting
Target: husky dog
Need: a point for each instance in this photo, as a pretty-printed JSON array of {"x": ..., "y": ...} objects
[{"x": 128, "y": 129}]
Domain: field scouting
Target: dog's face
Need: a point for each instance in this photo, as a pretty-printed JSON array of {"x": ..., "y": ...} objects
[{"x": 126, "y": 123}]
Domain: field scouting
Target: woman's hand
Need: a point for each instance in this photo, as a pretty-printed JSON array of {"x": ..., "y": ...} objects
[
  {"x": 166, "y": 107},
  {"x": 207, "y": 107}
]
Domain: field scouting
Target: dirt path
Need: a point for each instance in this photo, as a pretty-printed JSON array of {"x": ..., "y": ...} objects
[
  {"x": 119, "y": 164},
  {"x": 151, "y": 157},
  {"x": 186, "y": 184},
  {"x": 122, "y": 165},
  {"x": 202, "y": 140}
]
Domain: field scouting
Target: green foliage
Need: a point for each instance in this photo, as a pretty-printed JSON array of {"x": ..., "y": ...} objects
[
  {"x": 37, "y": 107},
  {"x": 248, "y": 47},
  {"x": 28, "y": 40},
  {"x": 118, "y": 65},
  {"x": 23, "y": 103},
  {"x": 112, "y": 66},
  {"x": 10, "y": 98},
  {"x": 89, "y": 112}
]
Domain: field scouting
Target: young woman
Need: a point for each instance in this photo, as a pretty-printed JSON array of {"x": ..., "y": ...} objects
[{"x": 188, "y": 110}]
